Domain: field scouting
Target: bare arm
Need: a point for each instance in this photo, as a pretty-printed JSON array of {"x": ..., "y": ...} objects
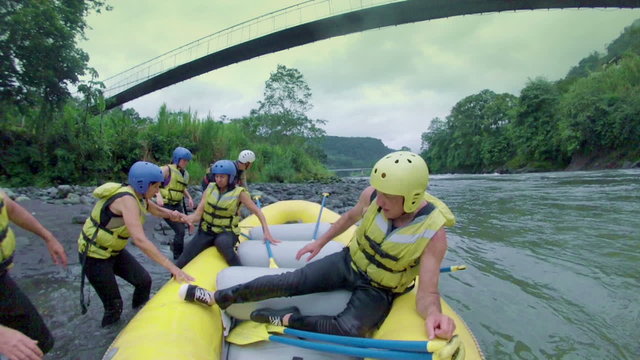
[
  {"x": 341, "y": 225},
  {"x": 21, "y": 217},
  {"x": 349, "y": 218},
  {"x": 428, "y": 297},
  {"x": 128, "y": 208},
  {"x": 197, "y": 214},
  {"x": 172, "y": 215},
  {"x": 246, "y": 201},
  {"x": 188, "y": 196}
]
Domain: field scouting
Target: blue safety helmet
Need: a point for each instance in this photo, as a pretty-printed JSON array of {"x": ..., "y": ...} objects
[
  {"x": 142, "y": 174},
  {"x": 181, "y": 153},
  {"x": 225, "y": 167}
]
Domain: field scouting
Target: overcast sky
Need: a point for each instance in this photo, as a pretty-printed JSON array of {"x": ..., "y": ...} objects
[{"x": 386, "y": 83}]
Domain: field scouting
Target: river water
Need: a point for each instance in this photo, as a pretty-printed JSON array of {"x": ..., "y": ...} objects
[{"x": 553, "y": 268}]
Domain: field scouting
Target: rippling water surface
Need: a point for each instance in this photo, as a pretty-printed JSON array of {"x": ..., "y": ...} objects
[{"x": 553, "y": 269}]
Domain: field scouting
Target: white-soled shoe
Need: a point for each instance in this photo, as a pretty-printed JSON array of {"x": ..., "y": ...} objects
[{"x": 193, "y": 293}]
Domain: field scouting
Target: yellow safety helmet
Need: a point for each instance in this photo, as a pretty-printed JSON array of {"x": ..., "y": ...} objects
[{"x": 402, "y": 173}]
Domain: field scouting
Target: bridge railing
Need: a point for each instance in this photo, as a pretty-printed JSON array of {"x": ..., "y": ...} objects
[{"x": 265, "y": 24}]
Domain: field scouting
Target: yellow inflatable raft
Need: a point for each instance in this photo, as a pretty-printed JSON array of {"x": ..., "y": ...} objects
[{"x": 169, "y": 328}]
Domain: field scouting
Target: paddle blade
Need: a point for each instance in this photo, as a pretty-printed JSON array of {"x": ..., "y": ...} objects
[
  {"x": 272, "y": 263},
  {"x": 451, "y": 349},
  {"x": 248, "y": 332}
]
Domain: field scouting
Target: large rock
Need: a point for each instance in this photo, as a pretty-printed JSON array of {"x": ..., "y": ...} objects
[
  {"x": 64, "y": 190},
  {"x": 72, "y": 199}
]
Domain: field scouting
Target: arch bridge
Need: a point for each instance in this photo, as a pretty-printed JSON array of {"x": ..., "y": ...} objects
[{"x": 300, "y": 24}]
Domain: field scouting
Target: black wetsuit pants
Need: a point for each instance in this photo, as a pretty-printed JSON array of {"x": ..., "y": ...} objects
[
  {"x": 102, "y": 276},
  {"x": 177, "y": 245},
  {"x": 367, "y": 308},
  {"x": 225, "y": 242},
  {"x": 18, "y": 313}
]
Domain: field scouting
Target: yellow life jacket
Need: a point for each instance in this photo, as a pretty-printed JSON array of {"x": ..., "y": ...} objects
[
  {"x": 391, "y": 258},
  {"x": 107, "y": 234},
  {"x": 7, "y": 238},
  {"x": 174, "y": 191},
  {"x": 220, "y": 210}
]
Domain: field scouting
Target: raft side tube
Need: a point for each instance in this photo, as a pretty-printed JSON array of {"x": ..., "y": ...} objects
[
  {"x": 322, "y": 303},
  {"x": 254, "y": 253},
  {"x": 290, "y": 232}
]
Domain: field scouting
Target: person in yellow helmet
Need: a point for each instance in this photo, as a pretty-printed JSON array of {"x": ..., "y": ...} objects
[
  {"x": 401, "y": 236},
  {"x": 23, "y": 333}
]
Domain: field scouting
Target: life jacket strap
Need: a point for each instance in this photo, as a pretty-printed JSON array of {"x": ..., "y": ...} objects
[
  {"x": 104, "y": 228},
  {"x": 378, "y": 249},
  {"x": 91, "y": 242},
  {"x": 4, "y": 264},
  {"x": 378, "y": 285}
]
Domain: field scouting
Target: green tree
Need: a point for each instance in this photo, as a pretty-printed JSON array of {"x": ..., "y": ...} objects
[
  {"x": 535, "y": 131},
  {"x": 282, "y": 114},
  {"x": 39, "y": 57},
  {"x": 601, "y": 113}
]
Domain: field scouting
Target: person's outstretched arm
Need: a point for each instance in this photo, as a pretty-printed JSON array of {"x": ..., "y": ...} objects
[
  {"x": 428, "y": 298},
  {"x": 23, "y": 218},
  {"x": 189, "y": 199},
  {"x": 246, "y": 201},
  {"x": 341, "y": 225},
  {"x": 173, "y": 215},
  {"x": 196, "y": 215},
  {"x": 128, "y": 207}
]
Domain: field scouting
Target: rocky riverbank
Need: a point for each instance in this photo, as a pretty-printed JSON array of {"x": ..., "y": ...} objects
[{"x": 344, "y": 193}]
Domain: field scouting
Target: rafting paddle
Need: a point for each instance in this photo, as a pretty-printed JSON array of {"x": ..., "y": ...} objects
[
  {"x": 272, "y": 261},
  {"x": 315, "y": 232},
  {"x": 453, "y": 268},
  {"x": 249, "y": 332}
]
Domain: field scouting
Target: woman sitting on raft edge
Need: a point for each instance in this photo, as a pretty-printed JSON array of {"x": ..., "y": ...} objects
[{"x": 217, "y": 209}]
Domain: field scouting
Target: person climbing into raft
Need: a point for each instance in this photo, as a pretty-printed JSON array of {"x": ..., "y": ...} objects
[
  {"x": 173, "y": 193},
  {"x": 218, "y": 212},
  {"x": 117, "y": 216},
  {"x": 23, "y": 333},
  {"x": 401, "y": 236}
]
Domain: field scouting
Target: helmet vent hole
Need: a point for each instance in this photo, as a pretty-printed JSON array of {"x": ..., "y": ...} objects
[
  {"x": 397, "y": 161},
  {"x": 383, "y": 175},
  {"x": 375, "y": 171},
  {"x": 409, "y": 161}
]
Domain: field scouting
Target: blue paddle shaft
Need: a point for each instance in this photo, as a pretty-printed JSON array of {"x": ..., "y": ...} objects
[
  {"x": 351, "y": 351},
  {"x": 315, "y": 232},
  {"x": 417, "y": 346},
  {"x": 269, "y": 249}
]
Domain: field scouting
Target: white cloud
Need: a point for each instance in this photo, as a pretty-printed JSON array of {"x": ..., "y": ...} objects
[{"x": 385, "y": 83}]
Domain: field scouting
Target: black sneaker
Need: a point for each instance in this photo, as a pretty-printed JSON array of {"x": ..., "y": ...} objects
[
  {"x": 273, "y": 316},
  {"x": 193, "y": 293}
]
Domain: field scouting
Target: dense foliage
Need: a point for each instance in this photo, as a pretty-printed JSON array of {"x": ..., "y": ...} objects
[
  {"x": 353, "y": 152},
  {"x": 79, "y": 148},
  {"x": 593, "y": 112},
  {"x": 39, "y": 58}
]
